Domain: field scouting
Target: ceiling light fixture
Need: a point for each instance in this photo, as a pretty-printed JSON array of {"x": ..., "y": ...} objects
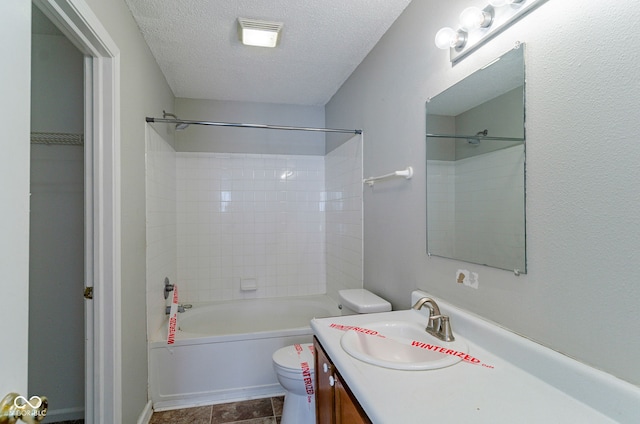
[
  {"x": 253, "y": 32},
  {"x": 478, "y": 26}
]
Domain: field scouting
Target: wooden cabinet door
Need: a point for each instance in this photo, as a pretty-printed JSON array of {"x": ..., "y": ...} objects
[
  {"x": 325, "y": 405},
  {"x": 335, "y": 404},
  {"x": 347, "y": 408}
]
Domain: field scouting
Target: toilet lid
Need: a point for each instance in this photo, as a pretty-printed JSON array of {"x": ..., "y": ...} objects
[{"x": 293, "y": 356}]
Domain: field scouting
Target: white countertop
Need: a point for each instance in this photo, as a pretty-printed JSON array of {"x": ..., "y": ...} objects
[{"x": 517, "y": 381}]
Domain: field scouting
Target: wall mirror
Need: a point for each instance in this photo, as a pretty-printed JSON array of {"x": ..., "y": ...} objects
[{"x": 476, "y": 167}]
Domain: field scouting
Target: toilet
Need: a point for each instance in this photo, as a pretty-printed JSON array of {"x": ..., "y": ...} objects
[
  {"x": 294, "y": 368},
  {"x": 294, "y": 365}
]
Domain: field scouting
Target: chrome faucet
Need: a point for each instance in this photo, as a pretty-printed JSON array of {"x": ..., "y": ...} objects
[{"x": 438, "y": 324}]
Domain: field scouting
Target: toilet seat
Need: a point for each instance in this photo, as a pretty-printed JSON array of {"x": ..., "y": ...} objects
[{"x": 290, "y": 358}]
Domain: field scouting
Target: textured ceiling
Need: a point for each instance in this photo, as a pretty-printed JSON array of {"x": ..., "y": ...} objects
[{"x": 195, "y": 43}]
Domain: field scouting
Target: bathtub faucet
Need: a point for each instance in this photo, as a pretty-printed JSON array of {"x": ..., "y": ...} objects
[{"x": 181, "y": 308}]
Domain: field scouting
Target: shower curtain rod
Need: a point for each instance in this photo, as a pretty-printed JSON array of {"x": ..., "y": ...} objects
[{"x": 259, "y": 126}]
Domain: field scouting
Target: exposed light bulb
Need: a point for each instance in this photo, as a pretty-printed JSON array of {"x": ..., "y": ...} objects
[
  {"x": 450, "y": 38},
  {"x": 474, "y": 18}
]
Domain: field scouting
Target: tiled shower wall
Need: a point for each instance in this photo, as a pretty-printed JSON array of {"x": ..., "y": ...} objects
[
  {"x": 291, "y": 224},
  {"x": 487, "y": 205},
  {"x": 257, "y": 219}
]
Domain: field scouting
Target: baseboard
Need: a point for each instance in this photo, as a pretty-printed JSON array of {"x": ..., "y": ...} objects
[
  {"x": 65, "y": 414},
  {"x": 145, "y": 416}
]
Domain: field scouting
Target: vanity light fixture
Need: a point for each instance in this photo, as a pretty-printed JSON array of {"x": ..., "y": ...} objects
[
  {"x": 253, "y": 32},
  {"x": 478, "y": 26}
]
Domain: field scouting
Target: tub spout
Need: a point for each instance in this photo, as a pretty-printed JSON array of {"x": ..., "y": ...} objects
[
  {"x": 181, "y": 308},
  {"x": 168, "y": 309}
]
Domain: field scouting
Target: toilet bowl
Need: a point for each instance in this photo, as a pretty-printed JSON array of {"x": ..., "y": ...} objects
[
  {"x": 294, "y": 365},
  {"x": 294, "y": 368}
]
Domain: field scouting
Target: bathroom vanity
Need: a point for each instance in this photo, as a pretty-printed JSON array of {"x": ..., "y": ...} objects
[{"x": 499, "y": 377}]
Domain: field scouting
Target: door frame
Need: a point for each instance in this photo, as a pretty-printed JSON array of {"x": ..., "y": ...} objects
[{"x": 103, "y": 353}]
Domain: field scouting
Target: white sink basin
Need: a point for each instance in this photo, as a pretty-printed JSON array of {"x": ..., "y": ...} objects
[{"x": 401, "y": 345}]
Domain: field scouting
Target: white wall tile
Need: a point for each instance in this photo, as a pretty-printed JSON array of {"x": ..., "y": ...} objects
[
  {"x": 246, "y": 221},
  {"x": 287, "y": 221}
]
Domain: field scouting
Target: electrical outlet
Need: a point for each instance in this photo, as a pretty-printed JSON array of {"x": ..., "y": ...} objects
[{"x": 469, "y": 279}]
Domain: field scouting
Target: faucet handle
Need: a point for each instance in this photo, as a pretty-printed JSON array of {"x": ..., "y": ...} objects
[
  {"x": 440, "y": 327},
  {"x": 433, "y": 324},
  {"x": 445, "y": 329},
  {"x": 168, "y": 287}
]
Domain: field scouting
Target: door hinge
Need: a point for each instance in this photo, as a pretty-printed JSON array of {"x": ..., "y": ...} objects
[{"x": 88, "y": 292}]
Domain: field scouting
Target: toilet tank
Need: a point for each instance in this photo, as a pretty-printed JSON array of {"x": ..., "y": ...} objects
[{"x": 361, "y": 301}]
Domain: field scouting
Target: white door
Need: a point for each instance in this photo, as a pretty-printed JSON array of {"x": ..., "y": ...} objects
[
  {"x": 104, "y": 383},
  {"x": 15, "y": 62}
]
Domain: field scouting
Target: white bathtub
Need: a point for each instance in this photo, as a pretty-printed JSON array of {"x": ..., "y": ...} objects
[{"x": 222, "y": 350}]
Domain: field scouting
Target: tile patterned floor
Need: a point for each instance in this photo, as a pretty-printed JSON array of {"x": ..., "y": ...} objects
[{"x": 255, "y": 411}]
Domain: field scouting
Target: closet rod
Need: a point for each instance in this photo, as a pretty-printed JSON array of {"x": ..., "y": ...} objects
[{"x": 259, "y": 126}]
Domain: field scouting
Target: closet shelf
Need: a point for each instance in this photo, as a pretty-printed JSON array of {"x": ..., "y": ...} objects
[{"x": 57, "y": 138}]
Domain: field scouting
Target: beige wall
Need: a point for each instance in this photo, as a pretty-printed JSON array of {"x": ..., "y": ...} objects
[
  {"x": 581, "y": 294},
  {"x": 143, "y": 92}
]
